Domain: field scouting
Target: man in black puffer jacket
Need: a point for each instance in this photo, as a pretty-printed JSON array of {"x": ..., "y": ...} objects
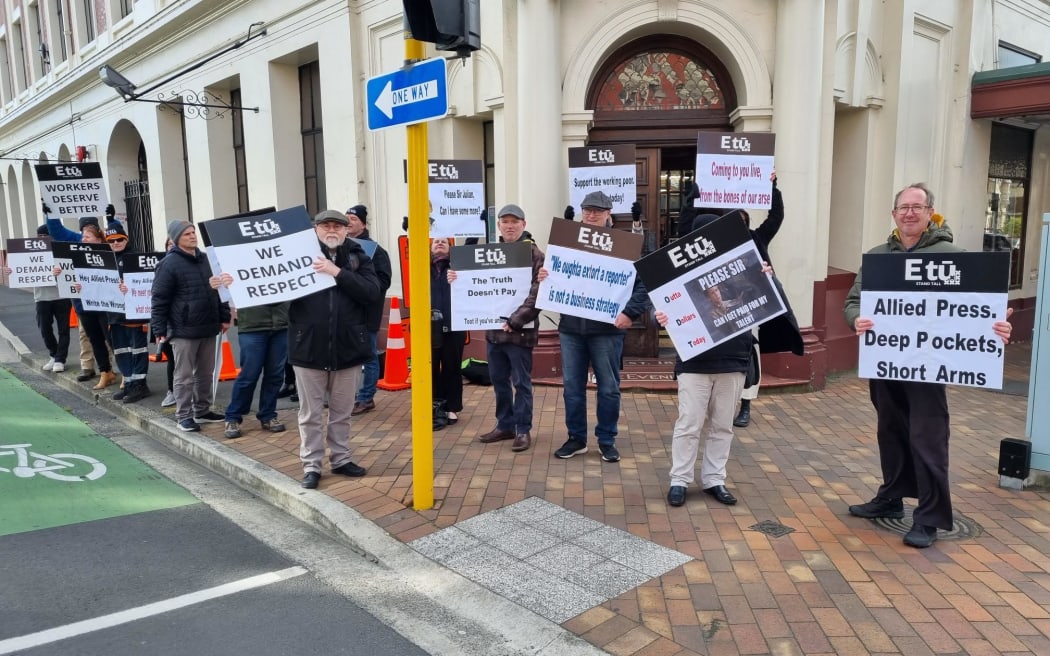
[
  {"x": 328, "y": 341},
  {"x": 188, "y": 313}
]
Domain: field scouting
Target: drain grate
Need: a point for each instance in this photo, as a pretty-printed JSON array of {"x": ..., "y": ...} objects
[
  {"x": 963, "y": 528},
  {"x": 771, "y": 528}
]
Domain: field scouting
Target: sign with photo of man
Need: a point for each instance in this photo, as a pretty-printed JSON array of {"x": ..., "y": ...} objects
[
  {"x": 31, "y": 262},
  {"x": 492, "y": 281},
  {"x": 610, "y": 169},
  {"x": 73, "y": 189},
  {"x": 733, "y": 169},
  {"x": 99, "y": 280}
]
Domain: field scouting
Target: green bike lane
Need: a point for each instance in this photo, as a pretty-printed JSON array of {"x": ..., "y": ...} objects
[{"x": 55, "y": 470}]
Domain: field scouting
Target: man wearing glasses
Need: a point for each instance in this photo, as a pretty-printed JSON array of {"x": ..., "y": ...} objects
[{"x": 912, "y": 417}]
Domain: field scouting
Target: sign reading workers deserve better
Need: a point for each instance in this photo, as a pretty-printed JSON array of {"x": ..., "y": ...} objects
[
  {"x": 270, "y": 256},
  {"x": 73, "y": 190},
  {"x": 31, "y": 262}
]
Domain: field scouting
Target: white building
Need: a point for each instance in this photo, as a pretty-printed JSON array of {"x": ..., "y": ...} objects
[{"x": 863, "y": 96}]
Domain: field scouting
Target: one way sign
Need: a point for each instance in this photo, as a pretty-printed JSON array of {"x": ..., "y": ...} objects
[{"x": 411, "y": 95}]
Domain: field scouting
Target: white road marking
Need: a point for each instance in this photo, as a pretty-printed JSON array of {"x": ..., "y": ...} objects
[{"x": 11, "y": 645}]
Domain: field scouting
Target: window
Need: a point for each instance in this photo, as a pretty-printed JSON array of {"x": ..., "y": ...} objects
[
  {"x": 57, "y": 24},
  {"x": 37, "y": 44},
  {"x": 22, "y": 77},
  {"x": 313, "y": 140},
  {"x": 238, "y": 152},
  {"x": 5, "y": 72},
  {"x": 186, "y": 166},
  {"x": 1010, "y": 55},
  {"x": 1009, "y": 170},
  {"x": 126, "y": 7},
  {"x": 88, "y": 22}
]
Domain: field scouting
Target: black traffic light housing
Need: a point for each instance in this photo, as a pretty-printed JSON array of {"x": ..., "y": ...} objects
[{"x": 448, "y": 24}]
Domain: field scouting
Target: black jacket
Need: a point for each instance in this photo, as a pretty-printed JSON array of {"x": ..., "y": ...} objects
[
  {"x": 381, "y": 262},
  {"x": 327, "y": 329},
  {"x": 184, "y": 304},
  {"x": 637, "y": 305},
  {"x": 729, "y": 356}
]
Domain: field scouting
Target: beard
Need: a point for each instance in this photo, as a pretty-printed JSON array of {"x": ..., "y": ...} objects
[{"x": 332, "y": 241}]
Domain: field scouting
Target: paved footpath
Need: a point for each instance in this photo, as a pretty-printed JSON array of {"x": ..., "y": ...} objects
[{"x": 785, "y": 571}]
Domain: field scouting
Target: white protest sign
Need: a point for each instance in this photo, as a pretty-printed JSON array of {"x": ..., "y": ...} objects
[
  {"x": 31, "y": 262},
  {"x": 590, "y": 270},
  {"x": 733, "y": 169},
  {"x": 269, "y": 255},
  {"x": 457, "y": 198},
  {"x": 138, "y": 278},
  {"x": 492, "y": 281},
  {"x": 99, "y": 281},
  {"x": 933, "y": 316},
  {"x": 74, "y": 189},
  {"x": 710, "y": 285},
  {"x": 610, "y": 169},
  {"x": 67, "y": 278}
]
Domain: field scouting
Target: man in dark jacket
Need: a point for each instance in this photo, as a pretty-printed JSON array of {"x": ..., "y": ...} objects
[
  {"x": 328, "y": 343},
  {"x": 358, "y": 231},
  {"x": 188, "y": 313}
]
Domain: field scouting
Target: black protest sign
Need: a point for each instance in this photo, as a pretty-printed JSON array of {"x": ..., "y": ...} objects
[
  {"x": 73, "y": 189},
  {"x": 31, "y": 262},
  {"x": 99, "y": 280},
  {"x": 67, "y": 277},
  {"x": 138, "y": 278},
  {"x": 492, "y": 281}
]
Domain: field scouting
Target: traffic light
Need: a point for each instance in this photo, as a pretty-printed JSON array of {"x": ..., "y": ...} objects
[{"x": 448, "y": 24}]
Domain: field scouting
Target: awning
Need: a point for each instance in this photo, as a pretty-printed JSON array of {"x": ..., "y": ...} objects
[{"x": 1018, "y": 91}]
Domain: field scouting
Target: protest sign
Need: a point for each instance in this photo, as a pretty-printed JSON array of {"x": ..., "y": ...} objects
[
  {"x": 492, "y": 281},
  {"x": 591, "y": 270},
  {"x": 31, "y": 262},
  {"x": 710, "y": 285},
  {"x": 457, "y": 198},
  {"x": 610, "y": 169},
  {"x": 138, "y": 278},
  {"x": 733, "y": 169},
  {"x": 99, "y": 280},
  {"x": 67, "y": 278},
  {"x": 73, "y": 190},
  {"x": 270, "y": 256},
  {"x": 933, "y": 316}
]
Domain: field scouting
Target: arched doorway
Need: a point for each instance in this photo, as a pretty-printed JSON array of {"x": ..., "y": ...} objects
[
  {"x": 657, "y": 93},
  {"x": 129, "y": 185}
]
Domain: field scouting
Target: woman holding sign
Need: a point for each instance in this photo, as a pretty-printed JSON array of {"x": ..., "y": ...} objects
[{"x": 447, "y": 345}]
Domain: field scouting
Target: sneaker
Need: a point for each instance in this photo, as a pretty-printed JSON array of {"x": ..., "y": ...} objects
[
  {"x": 349, "y": 469},
  {"x": 210, "y": 417},
  {"x": 49, "y": 365},
  {"x": 233, "y": 429},
  {"x": 169, "y": 400},
  {"x": 609, "y": 453},
  {"x": 273, "y": 425},
  {"x": 572, "y": 447},
  {"x": 59, "y": 367},
  {"x": 921, "y": 536},
  {"x": 189, "y": 426},
  {"x": 879, "y": 507}
]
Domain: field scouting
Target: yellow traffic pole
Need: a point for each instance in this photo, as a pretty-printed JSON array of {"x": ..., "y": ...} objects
[{"x": 419, "y": 283}]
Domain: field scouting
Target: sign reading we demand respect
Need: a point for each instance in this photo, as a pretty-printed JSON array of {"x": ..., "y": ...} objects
[
  {"x": 31, "y": 262},
  {"x": 590, "y": 270},
  {"x": 733, "y": 169},
  {"x": 933, "y": 316},
  {"x": 492, "y": 281},
  {"x": 610, "y": 169},
  {"x": 73, "y": 190},
  {"x": 710, "y": 285},
  {"x": 270, "y": 256}
]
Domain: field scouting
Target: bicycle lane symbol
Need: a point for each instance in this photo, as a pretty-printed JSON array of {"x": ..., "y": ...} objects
[{"x": 68, "y": 467}]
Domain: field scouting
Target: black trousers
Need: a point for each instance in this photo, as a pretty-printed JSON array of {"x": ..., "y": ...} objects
[
  {"x": 447, "y": 370},
  {"x": 913, "y": 431},
  {"x": 48, "y": 314},
  {"x": 96, "y": 325}
]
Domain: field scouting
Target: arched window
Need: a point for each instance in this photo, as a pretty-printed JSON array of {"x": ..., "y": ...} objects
[{"x": 660, "y": 81}]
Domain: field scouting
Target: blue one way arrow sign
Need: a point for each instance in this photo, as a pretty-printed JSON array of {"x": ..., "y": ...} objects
[{"x": 411, "y": 95}]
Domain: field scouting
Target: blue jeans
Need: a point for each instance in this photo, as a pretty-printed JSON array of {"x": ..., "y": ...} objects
[
  {"x": 371, "y": 373},
  {"x": 603, "y": 353},
  {"x": 510, "y": 367},
  {"x": 262, "y": 353}
]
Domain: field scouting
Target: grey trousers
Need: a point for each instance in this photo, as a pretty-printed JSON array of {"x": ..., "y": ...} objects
[
  {"x": 340, "y": 388},
  {"x": 706, "y": 405},
  {"x": 194, "y": 369}
]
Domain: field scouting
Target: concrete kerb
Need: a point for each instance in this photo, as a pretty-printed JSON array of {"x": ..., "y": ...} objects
[{"x": 475, "y": 620}]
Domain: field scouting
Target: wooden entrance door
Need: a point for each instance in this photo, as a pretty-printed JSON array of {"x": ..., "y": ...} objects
[{"x": 643, "y": 338}]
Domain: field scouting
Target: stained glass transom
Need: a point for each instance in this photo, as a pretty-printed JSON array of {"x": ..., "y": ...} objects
[{"x": 661, "y": 81}]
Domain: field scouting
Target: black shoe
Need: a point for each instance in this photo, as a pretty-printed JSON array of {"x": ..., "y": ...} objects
[
  {"x": 720, "y": 493},
  {"x": 210, "y": 417},
  {"x": 120, "y": 394},
  {"x": 743, "y": 419},
  {"x": 286, "y": 391},
  {"x": 921, "y": 536},
  {"x": 189, "y": 426},
  {"x": 609, "y": 453},
  {"x": 294, "y": 397},
  {"x": 310, "y": 480},
  {"x": 137, "y": 392},
  {"x": 571, "y": 448},
  {"x": 349, "y": 469},
  {"x": 676, "y": 495},
  {"x": 85, "y": 375},
  {"x": 362, "y": 407},
  {"x": 879, "y": 507}
]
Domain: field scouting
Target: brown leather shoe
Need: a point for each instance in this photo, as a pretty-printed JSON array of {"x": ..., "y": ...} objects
[
  {"x": 361, "y": 407},
  {"x": 522, "y": 441},
  {"x": 105, "y": 379},
  {"x": 495, "y": 435}
]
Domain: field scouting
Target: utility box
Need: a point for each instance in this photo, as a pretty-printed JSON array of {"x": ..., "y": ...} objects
[
  {"x": 1038, "y": 424},
  {"x": 1015, "y": 458}
]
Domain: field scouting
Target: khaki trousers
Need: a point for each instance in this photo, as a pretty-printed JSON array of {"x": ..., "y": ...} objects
[
  {"x": 340, "y": 389},
  {"x": 706, "y": 406}
]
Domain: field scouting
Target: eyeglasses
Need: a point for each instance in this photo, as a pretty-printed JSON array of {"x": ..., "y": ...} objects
[
  {"x": 330, "y": 225},
  {"x": 593, "y": 210},
  {"x": 904, "y": 209},
  {"x": 118, "y": 240}
]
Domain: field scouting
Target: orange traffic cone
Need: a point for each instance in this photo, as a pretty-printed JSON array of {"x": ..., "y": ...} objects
[
  {"x": 395, "y": 368},
  {"x": 228, "y": 371},
  {"x": 72, "y": 317}
]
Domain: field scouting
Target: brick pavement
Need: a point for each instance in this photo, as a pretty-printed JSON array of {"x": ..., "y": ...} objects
[{"x": 835, "y": 585}]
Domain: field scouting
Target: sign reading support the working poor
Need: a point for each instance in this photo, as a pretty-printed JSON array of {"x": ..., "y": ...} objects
[
  {"x": 73, "y": 190},
  {"x": 610, "y": 169},
  {"x": 99, "y": 280},
  {"x": 138, "y": 278},
  {"x": 590, "y": 270},
  {"x": 710, "y": 285},
  {"x": 457, "y": 197},
  {"x": 270, "y": 256},
  {"x": 67, "y": 278},
  {"x": 492, "y": 281},
  {"x": 31, "y": 262},
  {"x": 733, "y": 169},
  {"x": 933, "y": 316}
]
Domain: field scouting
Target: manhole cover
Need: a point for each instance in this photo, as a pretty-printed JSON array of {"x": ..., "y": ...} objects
[
  {"x": 963, "y": 528},
  {"x": 771, "y": 528}
]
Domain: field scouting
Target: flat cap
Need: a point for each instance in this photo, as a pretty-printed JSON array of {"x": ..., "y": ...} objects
[
  {"x": 331, "y": 215},
  {"x": 597, "y": 199},
  {"x": 510, "y": 209}
]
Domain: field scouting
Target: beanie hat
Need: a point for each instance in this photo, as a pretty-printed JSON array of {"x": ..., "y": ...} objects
[
  {"x": 110, "y": 211},
  {"x": 360, "y": 211},
  {"x": 115, "y": 230},
  {"x": 702, "y": 220},
  {"x": 88, "y": 220},
  {"x": 175, "y": 229},
  {"x": 42, "y": 230}
]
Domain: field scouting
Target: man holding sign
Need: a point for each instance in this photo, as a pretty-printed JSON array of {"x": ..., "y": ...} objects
[{"x": 913, "y": 421}]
